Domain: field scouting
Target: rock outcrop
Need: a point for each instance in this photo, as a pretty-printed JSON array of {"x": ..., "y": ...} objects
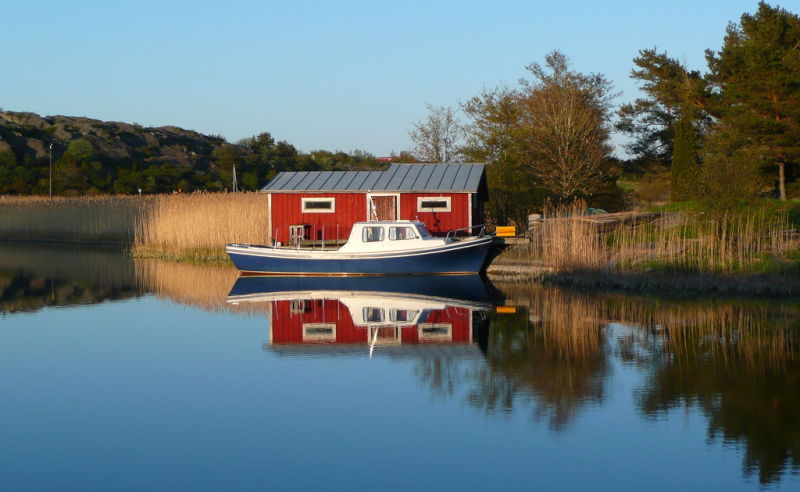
[{"x": 29, "y": 136}]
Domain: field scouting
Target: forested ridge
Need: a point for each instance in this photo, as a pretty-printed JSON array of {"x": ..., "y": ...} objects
[{"x": 90, "y": 156}]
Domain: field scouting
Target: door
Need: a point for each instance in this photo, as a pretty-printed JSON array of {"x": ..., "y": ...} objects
[{"x": 385, "y": 207}]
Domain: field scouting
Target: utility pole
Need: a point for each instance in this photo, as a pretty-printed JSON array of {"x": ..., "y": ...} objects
[
  {"x": 235, "y": 185},
  {"x": 51, "y": 169}
]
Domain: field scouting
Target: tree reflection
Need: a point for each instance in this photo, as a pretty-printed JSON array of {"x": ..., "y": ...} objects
[
  {"x": 738, "y": 364},
  {"x": 553, "y": 356},
  {"x": 736, "y": 361}
]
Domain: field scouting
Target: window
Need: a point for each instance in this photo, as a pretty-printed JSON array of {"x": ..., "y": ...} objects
[
  {"x": 423, "y": 231},
  {"x": 401, "y": 233},
  {"x": 373, "y": 315},
  {"x": 319, "y": 331},
  {"x": 433, "y": 204},
  {"x": 319, "y": 205},
  {"x": 400, "y": 315},
  {"x": 372, "y": 234},
  {"x": 432, "y": 332}
]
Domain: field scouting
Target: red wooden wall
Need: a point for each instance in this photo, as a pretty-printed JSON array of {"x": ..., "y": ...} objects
[
  {"x": 287, "y": 326},
  {"x": 437, "y": 222},
  {"x": 352, "y": 207},
  {"x": 287, "y": 210}
]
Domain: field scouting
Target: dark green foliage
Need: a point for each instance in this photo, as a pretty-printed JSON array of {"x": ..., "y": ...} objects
[
  {"x": 756, "y": 75},
  {"x": 730, "y": 174},
  {"x": 685, "y": 171},
  {"x": 670, "y": 91},
  {"x": 121, "y": 158}
]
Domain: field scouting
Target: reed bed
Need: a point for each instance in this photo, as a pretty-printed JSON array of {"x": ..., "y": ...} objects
[
  {"x": 98, "y": 219},
  {"x": 197, "y": 226},
  {"x": 728, "y": 244},
  {"x": 174, "y": 227}
]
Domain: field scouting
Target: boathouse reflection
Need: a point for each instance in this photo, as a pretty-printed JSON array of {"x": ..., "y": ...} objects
[{"x": 374, "y": 316}]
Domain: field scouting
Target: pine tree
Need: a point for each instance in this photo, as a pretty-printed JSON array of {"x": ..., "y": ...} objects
[
  {"x": 685, "y": 171},
  {"x": 756, "y": 75}
]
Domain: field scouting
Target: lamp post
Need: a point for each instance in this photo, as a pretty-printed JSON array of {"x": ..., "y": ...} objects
[{"x": 51, "y": 169}]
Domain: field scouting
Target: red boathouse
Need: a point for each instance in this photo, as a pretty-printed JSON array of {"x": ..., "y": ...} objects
[{"x": 315, "y": 205}]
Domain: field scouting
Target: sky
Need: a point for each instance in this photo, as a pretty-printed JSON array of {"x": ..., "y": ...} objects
[{"x": 329, "y": 75}]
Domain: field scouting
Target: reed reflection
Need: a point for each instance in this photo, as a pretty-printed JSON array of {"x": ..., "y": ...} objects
[
  {"x": 735, "y": 361},
  {"x": 38, "y": 276}
]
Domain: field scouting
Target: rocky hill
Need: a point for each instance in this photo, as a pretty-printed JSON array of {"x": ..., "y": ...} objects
[
  {"x": 92, "y": 156},
  {"x": 29, "y": 137}
]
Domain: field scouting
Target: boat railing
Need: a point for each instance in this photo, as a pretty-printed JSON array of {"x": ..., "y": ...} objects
[{"x": 454, "y": 232}]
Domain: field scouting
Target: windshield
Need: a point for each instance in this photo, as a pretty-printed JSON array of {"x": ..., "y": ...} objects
[{"x": 423, "y": 231}]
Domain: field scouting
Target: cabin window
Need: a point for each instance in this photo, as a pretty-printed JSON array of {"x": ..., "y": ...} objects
[
  {"x": 423, "y": 231},
  {"x": 402, "y": 315},
  {"x": 373, "y": 315},
  {"x": 433, "y": 204},
  {"x": 319, "y": 331},
  {"x": 372, "y": 234},
  {"x": 319, "y": 205},
  {"x": 401, "y": 233}
]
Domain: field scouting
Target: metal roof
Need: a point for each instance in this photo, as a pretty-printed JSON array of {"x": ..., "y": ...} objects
[{"x": 399, "y": 177}]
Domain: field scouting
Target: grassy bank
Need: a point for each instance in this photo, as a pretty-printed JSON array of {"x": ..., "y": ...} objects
[
  {"x": 174, "y": 227},
  {"x": 756, "y": 251}
]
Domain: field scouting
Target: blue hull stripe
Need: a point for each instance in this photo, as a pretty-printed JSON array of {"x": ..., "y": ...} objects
[{"x": 456, "y": 258}]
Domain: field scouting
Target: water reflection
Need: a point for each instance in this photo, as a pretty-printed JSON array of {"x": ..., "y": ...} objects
[
  {"x": 38, "y": 276},
  {"x": 414, "y": 316},
  {"x": 734, "y": 362}
]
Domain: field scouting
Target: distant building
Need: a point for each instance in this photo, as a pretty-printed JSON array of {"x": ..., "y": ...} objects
[{"x": 325, "y": 204}]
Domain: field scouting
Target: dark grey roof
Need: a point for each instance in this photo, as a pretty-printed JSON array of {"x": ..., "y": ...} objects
[{"x": 399, "y": 177}]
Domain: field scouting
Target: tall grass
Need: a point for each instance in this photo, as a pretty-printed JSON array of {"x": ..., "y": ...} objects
[
  {"x": 98, "y": 219},
  {"x": 755, "y": 241},
  {"x": 176, "y": 227},
  {"x": 197, "y": 226}
]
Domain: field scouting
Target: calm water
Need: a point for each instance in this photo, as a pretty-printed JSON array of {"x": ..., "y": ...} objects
[{"x": 129, "y": 375}]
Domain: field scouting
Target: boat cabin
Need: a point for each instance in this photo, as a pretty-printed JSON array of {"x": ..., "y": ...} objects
[{"x": 389, "y": 235}]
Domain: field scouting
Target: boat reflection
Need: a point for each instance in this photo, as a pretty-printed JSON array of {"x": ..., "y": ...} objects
[{"x": 397, "y": 316}]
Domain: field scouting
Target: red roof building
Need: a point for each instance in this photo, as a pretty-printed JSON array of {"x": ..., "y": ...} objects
[{"x": 317, "y": 205}]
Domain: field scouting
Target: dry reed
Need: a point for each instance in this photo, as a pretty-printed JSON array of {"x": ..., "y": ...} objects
[
  {"x": 99, "y": 219},
  {"x": 681, "y": 242},
  {"x": 198, "y": 226},
  {"x": 175, "y": 227}
]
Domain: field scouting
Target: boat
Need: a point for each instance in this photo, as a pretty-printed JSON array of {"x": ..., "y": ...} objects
[{"x": 390, "y": 247}]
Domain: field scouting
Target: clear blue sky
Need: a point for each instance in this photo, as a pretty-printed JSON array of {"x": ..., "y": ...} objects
[{"x": 332, "y": 75}]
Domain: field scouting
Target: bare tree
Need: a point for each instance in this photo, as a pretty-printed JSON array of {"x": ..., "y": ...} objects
[
  {"x": 564, "y": 126},
  {"x": 437, "y": 138}
]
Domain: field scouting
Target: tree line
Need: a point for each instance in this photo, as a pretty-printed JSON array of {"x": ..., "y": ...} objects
[
  {"x": 723, "y": 137},
  {"x": 81, "y": 167}
]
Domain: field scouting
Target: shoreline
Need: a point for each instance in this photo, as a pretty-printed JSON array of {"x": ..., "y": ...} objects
[{"x": 759, "y": 285}]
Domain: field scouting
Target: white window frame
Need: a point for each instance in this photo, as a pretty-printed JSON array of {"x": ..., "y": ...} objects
[
  {"x": 364, "y": 233},
  {"x": 318, "y": 337},
  {"x": 421, "y": 199},
  {"x": 447, "y": 336},
  {"x": 414, "y": 233},
  {"x": 306, "y": 200},
  {"x": 393, "y": 315}
]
